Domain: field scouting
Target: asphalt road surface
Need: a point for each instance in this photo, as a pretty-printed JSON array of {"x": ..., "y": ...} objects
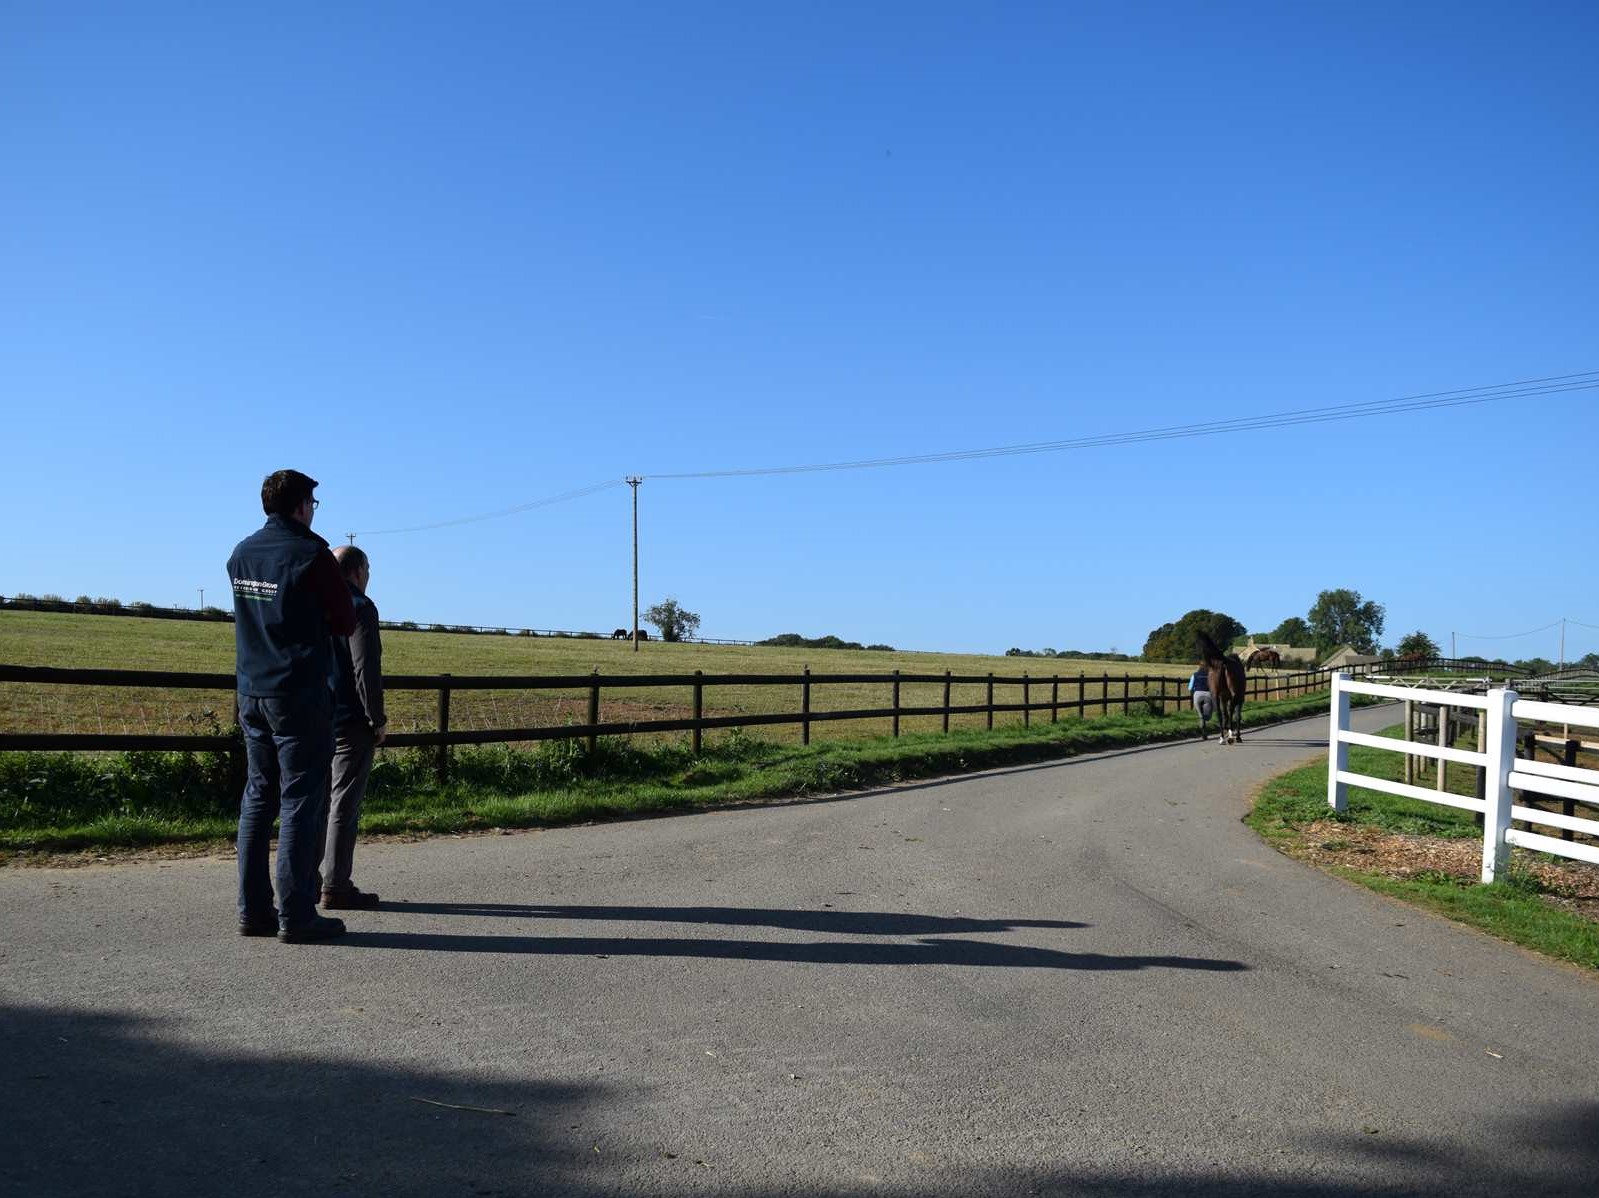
[{"x": 1085, "y": 977}]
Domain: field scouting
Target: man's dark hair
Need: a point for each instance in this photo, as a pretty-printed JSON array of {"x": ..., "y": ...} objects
[{"x": 283, "y": 491}]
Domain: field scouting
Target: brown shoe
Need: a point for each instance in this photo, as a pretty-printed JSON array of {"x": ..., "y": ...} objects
[{"x": 349, "y": 900}]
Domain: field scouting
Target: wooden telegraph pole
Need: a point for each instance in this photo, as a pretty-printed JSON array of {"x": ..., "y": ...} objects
[{"x": 633, "y": 481}]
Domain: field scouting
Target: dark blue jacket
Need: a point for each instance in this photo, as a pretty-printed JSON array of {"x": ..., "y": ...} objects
[
  {"x": 1200, "y": 681},
  {"x": 284, "y": 616},
  {"x": 358, "y": 669}
]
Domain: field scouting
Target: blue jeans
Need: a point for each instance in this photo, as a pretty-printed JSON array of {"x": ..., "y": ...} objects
[{"x": 288, "y": 744}]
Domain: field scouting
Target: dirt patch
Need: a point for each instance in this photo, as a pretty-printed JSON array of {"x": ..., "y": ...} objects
[{"x": 1570, "y": 885}]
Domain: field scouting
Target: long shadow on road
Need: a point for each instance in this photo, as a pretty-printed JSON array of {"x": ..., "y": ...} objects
[
  {"x": 923, "y": 952},
  {"x": 859, "y": 923}
]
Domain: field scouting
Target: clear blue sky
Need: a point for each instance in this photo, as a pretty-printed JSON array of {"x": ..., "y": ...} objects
[{"x": 448, "y": 259}]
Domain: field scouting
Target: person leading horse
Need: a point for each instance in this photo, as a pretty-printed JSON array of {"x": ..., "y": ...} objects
[{"x": 1226, "y": 674}]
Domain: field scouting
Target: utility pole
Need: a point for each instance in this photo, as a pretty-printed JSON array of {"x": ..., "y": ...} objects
[
  {"x": 633, "y": 481},
  {"x": 202, "y": 597},
  {"x": 1562, "y": 642},
  {"x": 1451, "y": 646},
  {"x": 351, "y": 535}
]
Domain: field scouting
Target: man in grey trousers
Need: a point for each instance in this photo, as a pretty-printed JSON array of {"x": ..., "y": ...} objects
[{"x": 360, "y": 725}]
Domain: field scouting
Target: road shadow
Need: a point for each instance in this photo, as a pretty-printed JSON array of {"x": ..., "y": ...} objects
[
  {"x": 854, "y": 923},
  {"x": 108, "y": 1103},
  {"x": 923, "y": 952},
  {"x": 112, "y": 1104},
  {"x": 1281, "y": 742}
]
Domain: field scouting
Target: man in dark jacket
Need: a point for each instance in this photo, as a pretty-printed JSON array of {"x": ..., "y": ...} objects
[
  {"x": 289, "y": 601},
  {"x": 359, "y": 725}
]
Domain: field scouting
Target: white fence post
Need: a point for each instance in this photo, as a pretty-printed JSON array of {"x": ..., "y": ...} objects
[
  {"x": 1496, "y": 791},
  {"x": 1337, "y": 750}
]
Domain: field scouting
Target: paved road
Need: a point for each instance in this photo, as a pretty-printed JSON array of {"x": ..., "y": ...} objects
[{"x": 1084, "y": 977}]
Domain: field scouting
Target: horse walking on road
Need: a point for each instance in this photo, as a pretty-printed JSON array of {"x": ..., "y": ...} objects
[{"x": 1226, "y": 675}]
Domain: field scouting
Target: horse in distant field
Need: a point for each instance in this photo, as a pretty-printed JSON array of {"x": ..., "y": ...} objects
[
  {"x": 1226, "y": 675},
  {"x": 1262, "y": 658},
  {"x": 621, "y": 634}
]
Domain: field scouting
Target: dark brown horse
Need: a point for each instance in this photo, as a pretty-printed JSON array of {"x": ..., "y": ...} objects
[
  {"x": 1226, "y": 674},
  {"x": 1261, "y": 658}
]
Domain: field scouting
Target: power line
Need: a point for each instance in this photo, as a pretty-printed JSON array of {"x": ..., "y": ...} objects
[
  {"x": 1470, "y": 636},
  {"x": 1587, "y": 380},
  {"x": 548, "y": 501},
  {"x": 1526, "y": 388}
]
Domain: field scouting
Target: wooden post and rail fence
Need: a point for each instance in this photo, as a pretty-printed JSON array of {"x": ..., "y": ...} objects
[{"x": 1084, "y": 695}]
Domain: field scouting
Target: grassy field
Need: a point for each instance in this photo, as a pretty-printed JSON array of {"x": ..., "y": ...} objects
[
  {"x": 69, "y": 802},
  {"x": 43, "y": 638},
  {"x": 1427, "y": 854}
]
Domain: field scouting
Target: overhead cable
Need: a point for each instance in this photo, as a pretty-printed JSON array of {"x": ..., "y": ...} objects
[
  {"x": 1555, "y": 384},
  {"x": 1470, "y": 636},
  {"x": 548, "y": 501}
]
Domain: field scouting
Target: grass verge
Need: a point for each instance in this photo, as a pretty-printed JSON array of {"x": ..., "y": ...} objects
[
  {"x": 71, "y": 803},
  {"x": 1395, "y": 845}
]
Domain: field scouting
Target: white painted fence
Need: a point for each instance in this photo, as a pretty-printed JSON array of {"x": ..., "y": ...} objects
[{"x": 1505, "y": 774}]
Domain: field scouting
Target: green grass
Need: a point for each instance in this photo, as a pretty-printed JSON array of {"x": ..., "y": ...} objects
[
  {"x": 55, "y": 639},
  {"x": 1291, "y": 800},
  {"x": 56, "y": 802},
  {"x": 1512, "y": 909}
]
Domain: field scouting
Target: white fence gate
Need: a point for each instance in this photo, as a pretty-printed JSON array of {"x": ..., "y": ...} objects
[{"x": 1505, "y": 774}]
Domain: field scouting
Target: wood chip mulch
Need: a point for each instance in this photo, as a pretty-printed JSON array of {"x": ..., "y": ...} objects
[{"x": 1571, "y": 885}]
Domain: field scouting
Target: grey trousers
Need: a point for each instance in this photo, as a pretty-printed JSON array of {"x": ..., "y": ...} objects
[
  {"x": 1204, "y": 706},
  {"x": 352, "y": 762}
]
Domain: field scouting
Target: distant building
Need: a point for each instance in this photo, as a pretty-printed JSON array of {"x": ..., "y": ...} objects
[{"x": 1344, "y": 656}]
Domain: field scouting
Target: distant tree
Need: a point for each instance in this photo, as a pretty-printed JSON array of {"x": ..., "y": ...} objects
[
  {"x": 675, "y": 623},
  {"x": 1175, "y": 642},
  {"x": 1342, "y": 617},
  {"x": 1418, "y": 644},
  {"x": 1293, "y": 632}
]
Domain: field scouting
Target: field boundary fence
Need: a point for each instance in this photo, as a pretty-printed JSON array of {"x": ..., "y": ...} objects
[
  {"x": 1032, "y": 696},
  {"x": 1509, "y": 783}
]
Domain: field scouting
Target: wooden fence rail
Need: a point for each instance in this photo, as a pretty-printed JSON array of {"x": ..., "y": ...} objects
[{"x": 1085, "y": 695}]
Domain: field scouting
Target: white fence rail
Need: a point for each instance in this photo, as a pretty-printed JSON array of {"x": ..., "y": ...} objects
[{"x": 1503, "y": 775}]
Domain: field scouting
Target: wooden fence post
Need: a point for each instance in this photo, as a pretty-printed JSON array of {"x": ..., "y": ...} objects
[
  {"x": 1082, "y": 695},
  {"x": 1054, "y": 699},
  {"x": 1501, "y": 761},
  {"x": 805, "y": 707},
  {"x": 238, "y": 765},
  {"x": 1127, "y": 690},
  {"x": 594, "y": 710},
  {"x": 991, "y": 700},
  {"x": 1104, "y": 695},
  {"x": 896, "y": 702},
  {"x": 946, "y": 700},
  {"x": 1027, "y": 699},
  {"x": 443, "y": 767},
  {"x": 1338, "y": 791},
  {"x": 699, "y": 708},
  {"x": 1569, "y": 806}
]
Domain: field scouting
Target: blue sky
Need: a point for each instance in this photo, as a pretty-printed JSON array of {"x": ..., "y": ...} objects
[{"x": 450, "y": 259}]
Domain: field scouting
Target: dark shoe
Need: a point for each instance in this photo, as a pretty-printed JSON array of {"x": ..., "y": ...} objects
[
  {"x": 264, "y": 926},
  {"x": 318, "y": 927},
  {"x": 349, "y": 900}
]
